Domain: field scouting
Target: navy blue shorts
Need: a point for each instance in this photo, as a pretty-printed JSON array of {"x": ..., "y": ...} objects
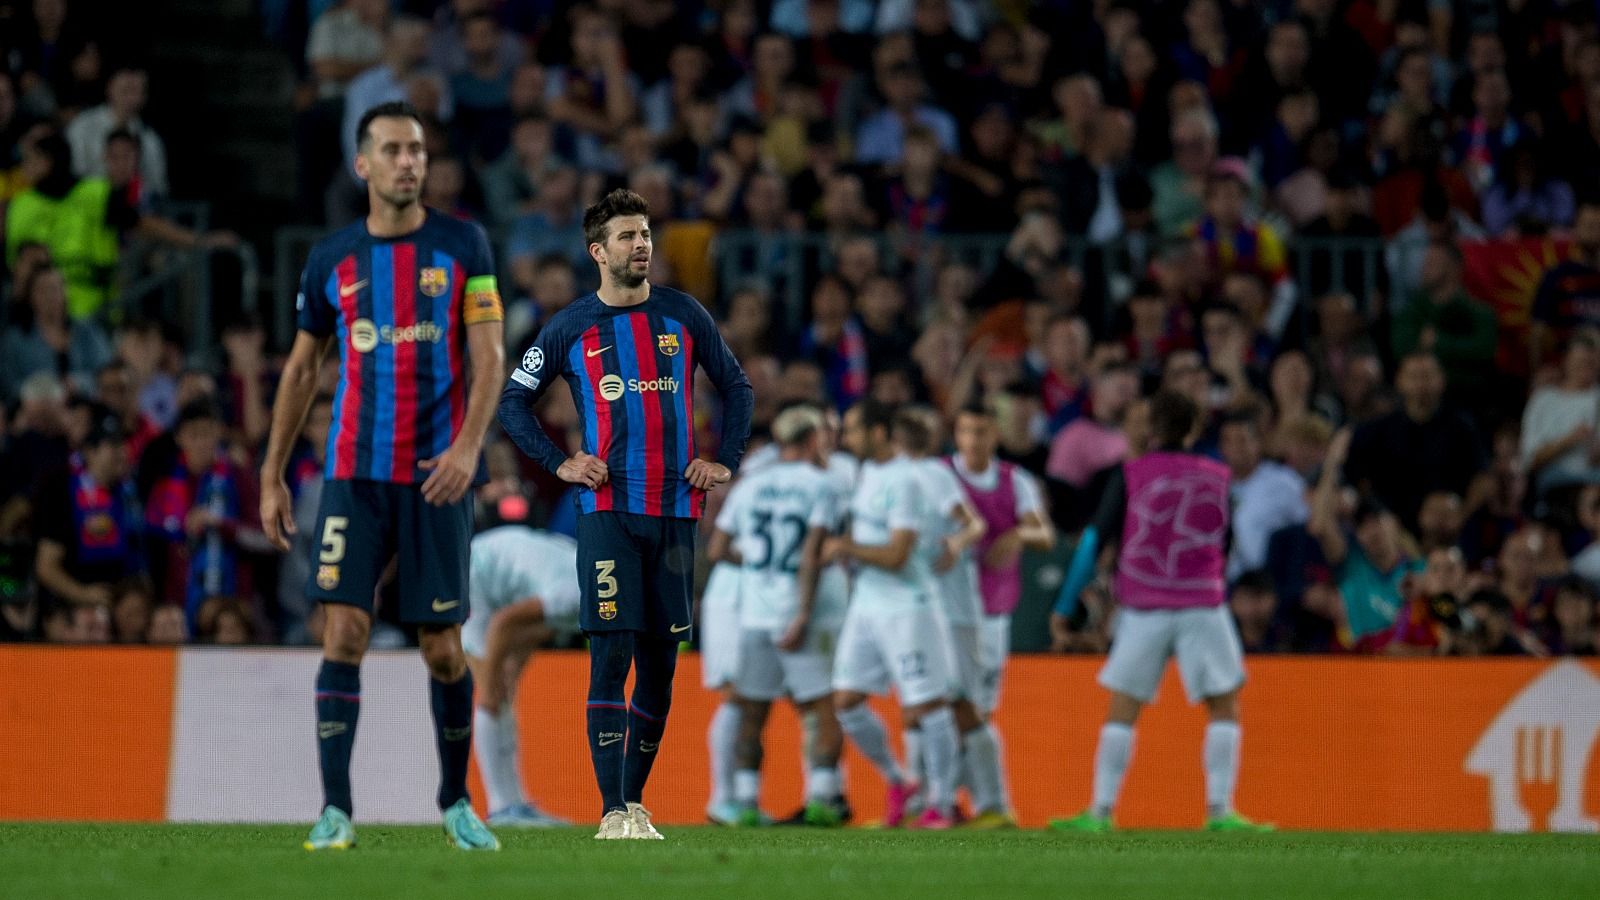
[
  {"x": 637, "y": 573},
  {"x": 362, "y": 525}
]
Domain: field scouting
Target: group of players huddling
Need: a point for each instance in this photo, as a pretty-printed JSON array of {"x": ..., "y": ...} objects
[{"x": 838, "y": 574}]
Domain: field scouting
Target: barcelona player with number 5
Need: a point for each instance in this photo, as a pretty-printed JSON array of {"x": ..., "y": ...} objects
[
  {"x": 628, "y": 352},
  {"x": 409, "y": 295}
]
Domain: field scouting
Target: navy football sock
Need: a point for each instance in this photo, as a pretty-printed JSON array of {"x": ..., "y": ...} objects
[
  {"x": 655, "y": 659},
  {"x": 452, "y": 727},
  {"x": 338, "y": 704},
  {"x": 610, "y": 653}
]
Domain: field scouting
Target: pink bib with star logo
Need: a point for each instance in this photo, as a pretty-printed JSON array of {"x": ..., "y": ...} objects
[{"x": 1175, "y": 532}]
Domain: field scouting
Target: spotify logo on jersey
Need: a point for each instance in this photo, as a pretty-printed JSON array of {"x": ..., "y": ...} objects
[
  {"x": 611, "y": 387},
  {"x": 363, "y": 335}
]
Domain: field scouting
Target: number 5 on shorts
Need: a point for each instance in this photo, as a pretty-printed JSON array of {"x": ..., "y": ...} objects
[
  {"x": 333, "y": 539},
  {"x": 604, "y": 578}
]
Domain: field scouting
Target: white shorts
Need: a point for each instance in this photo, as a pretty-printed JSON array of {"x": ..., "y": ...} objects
[
  {"x": 767, "y": 673},
  {"x": 994, "y": 645},
  {"x": 560, "y": 614},
  {"x": 1210, "y": 658},
  {"x": 908, "y": 650},
  {"x": 719, "y": 627},
  {"x": 966, "y": 645}
]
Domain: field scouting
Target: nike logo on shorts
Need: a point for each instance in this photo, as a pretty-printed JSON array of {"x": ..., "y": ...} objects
[
  {"x": 440, "y": 606},
  {"x": 679, "y": 629}
]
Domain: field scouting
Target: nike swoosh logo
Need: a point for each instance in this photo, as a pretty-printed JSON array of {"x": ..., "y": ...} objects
[
  {"x": 605, "y": 743},
  {"x": 441, "y": 606},
  {"x": 593, "y": 353},
  {"x": 346, "y": 290},
  {"x": 679, "y": 629}
]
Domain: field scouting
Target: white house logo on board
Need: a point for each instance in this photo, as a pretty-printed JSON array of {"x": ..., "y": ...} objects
[{"x": 1536, "y": 753}]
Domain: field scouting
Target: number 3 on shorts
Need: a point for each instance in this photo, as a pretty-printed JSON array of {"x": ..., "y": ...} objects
[
  {"x": 333, "y": 538},
  {"x": 604, "y": 578}
]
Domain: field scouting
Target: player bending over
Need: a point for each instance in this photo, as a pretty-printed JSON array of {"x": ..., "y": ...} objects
[
  {"x": 629, "y": 352},
  {"x": 524, "y": 594},
  {"x": 1170, "y": 509},
  {"x": 773, "y": 525},
  {"x": 408, "y": 294},
  {"x": 894, "y": 631}
]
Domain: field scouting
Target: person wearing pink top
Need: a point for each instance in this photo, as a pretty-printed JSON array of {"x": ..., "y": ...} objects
[
  {"x": 1092, "y": 443},
  {"x": 1170, "y": 509}
]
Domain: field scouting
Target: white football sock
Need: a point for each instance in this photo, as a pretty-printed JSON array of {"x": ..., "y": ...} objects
[
  {"x": 942, "y": 748},
  {"x": 822, "y": 784},
  {"x": 747, "y": 787},
  {"x": 1222, "y": 766},
  {"x": 866, "y": 731},
  {"x": 1110, "y": 764},
  {"x": 495, "y": 744},
  {"x": 916, "y": 766},
  {"x": 721, "y": 738},
  {"x": 1000, "y": 766},
  {"x": 980, "y": 768}
]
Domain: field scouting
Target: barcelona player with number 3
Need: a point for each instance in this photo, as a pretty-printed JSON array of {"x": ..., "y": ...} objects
[
  {"x": 628, "y": 352},
  {"x": 409, "y": 295}
]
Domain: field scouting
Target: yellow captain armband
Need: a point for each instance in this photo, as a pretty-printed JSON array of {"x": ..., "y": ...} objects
[{"x": 482, "y": 301}]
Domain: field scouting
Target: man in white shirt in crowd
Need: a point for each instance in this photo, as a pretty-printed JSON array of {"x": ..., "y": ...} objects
[{"x": 1265, "y": 496}]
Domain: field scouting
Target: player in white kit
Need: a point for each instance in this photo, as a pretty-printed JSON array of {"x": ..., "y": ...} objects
[
  {"x": 1167, "y": 511},
  {"x": 773, "y": 524},
  {"x": 523, "y": 593},
  {"x": 894, "y": 632},
  {"x": 948, "y": 540}
]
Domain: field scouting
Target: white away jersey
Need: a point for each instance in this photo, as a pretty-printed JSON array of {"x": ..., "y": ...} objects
[
  {"x": 514, "y": 562},
  {"x": 890, "y": 498},
  {"x": 769, "y": 514},
  {"x": 958, "y": 586}
]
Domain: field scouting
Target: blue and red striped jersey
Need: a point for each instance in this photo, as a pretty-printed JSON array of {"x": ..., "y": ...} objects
[
  {"x": 631, "y": 370},
  {"x": 400, "y": 307}
]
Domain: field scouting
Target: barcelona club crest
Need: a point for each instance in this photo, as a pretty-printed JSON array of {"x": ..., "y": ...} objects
[
  {"x": 327, "y": 577},
  {"x": 608, "y": 609},
  {"x": 667, "y": 343},
  {"x": 433, "y": 281}
]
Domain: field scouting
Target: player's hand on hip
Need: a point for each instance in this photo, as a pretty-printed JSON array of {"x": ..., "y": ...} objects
[
  {"x": 450, "y": 474},
  {"x": 277, "y": 512},
  {"x": 706, "y": 475},
  {"x": 585, "y": 469},
  {"x": 794, "y": 634}
]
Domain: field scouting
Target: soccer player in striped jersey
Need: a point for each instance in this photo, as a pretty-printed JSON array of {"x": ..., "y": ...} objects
[
  {"x": 524, "y": 594},
  {"x": 628, "y": 352},
  {"x": 409, "y": 296},
  {"x": 772, "y": 526}
]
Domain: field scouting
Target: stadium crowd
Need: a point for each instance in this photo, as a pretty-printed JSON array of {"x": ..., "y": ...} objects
[{"x": 1269, "y": 206}]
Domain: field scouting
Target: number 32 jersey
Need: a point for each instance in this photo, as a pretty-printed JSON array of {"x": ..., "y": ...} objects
[{"x": 768, "y": 514}]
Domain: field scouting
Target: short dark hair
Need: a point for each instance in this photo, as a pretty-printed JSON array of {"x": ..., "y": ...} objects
[
  {"x": 1249, "y": 418},
  {"x": 620, "y": 202},
  {"x": 977, "y": 408},
  {"x": 202, "y": 410},
  {"x": 1172, "y": 418},
  {"x": 394, "y": 109},
  {"x": 1256, "y": 580},
  {"x": 875, "y": 414},
  {"x": 123, "y": 134},
  {"x": 1367, "y": 508}
]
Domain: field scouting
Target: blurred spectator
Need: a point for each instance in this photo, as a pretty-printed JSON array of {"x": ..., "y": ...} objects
[
  {"x": 511, "y": 183},
  {"x": 881, "y": 138},
  {"x": 1420, "y": 448},
  {"x": 405, "y": 50},
  {"x": 346, "y": 40},
  {"x": 1526, "y": 197},
  {"x": 132, "y": 609},
  {"x": 1064, "y": 382},
  {"x": 1077, "y": 100},
  {"x": 87, "y": 520},
  {"x": 450, "y": 48},
  {"x": 881, "y": 311},
  {"x": 1253, "y": 600},
  {"x": 1442, "y": 319},
  {"x": 1370, "y": 569},
  {"x": 126, "y": 93},
  {"x": 1439, "y": 522},
  {"x": 1335, "y": 268},
  {"x": 230, "y": 624},
  {"x": 167, "y": 626},
  {"x": 1265, "y": 496},
  {"x": 1490, "y": 132},
  {"x": 196, "y": 514},
  {"x": 554, "y": 227},
  {"x": 1087, "y": 182},
  {"x": 57, "y": 58},
  {"x": 593, "y": 94},
  {"x": 1517, "y": 567},
  {"x": 1093, "y": 443},
  {"x": 1571, "y": 629},
  {"x": 1429, "y": 622},
  {"x": 1568, "y": 297},
  {"x": 67, "y": 215},
  {"x": 1179, "y": 185},
  {"x": 1231, "y": 240},
  {"x": 481, "y": 89},
  {"x": 835, "y": 342},
  {"x": 41, "y": 338},
  {"x": 1560, "y": 443},
  {"x": 1495, "y": 633}
]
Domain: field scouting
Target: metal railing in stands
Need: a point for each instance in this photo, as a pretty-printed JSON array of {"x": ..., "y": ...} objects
[
  {"x": 786, "y": 264},
  {"x": 176, "y": 284}
]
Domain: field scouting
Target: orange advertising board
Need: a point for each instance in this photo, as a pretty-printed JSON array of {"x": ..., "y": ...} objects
[{"x": 1329, "y": 743}]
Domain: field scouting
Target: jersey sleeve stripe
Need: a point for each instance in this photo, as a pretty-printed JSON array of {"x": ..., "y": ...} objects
[
  {"x": 655, "y": 462},
  {"x": 381, "y": 460},
  {"x": 599, "y": 429},
  {"x": 403, "y": 460},
  {"x": 635, "y": 463},
  {"x": 347, "y": 405}
]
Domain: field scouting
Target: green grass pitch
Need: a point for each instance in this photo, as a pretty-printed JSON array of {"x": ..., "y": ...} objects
[{"x": 191, "y": 862}]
